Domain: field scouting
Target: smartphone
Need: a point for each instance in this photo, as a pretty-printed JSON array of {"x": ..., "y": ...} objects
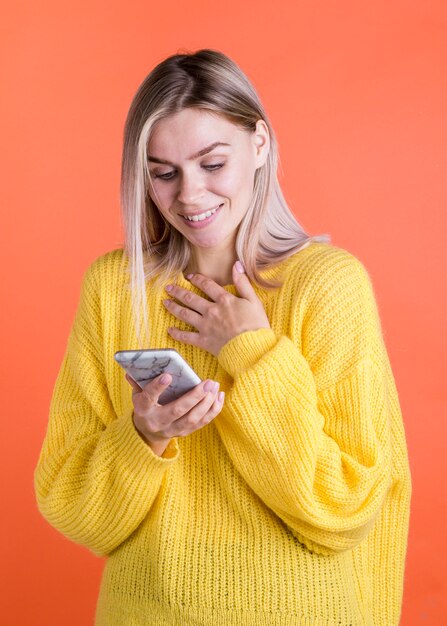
[{"x": 145, "y": 365}]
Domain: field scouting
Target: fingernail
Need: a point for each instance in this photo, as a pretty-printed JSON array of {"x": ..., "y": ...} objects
[
  {"x": 240, "y": 267},
  {"x": 189, "y": 276},
  {"x": 209, "y": 385},
  {"x": 216, "y": 387},
  {"x": 164, "y": 379},
  {"x": 221, "y": 397}
]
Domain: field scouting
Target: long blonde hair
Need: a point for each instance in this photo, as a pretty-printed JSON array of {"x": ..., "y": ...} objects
[{"x": 268, "y": 234}]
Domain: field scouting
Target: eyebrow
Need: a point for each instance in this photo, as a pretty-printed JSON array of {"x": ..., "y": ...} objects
[{"x": 193, "y": 156}]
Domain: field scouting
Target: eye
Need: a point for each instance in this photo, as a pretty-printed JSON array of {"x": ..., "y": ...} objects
[
  {"x": 170, "y": 175},
  {"x": 213, "y": 167},
  {"x": 167, "y": 176}
]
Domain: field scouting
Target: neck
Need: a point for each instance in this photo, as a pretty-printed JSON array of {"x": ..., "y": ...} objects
[{"x": 212, "y": 264}]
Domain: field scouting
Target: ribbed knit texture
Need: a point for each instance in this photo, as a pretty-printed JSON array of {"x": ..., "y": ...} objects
[{"x": 290, "y": 508}]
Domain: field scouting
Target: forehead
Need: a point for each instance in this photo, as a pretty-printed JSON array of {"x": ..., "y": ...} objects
[{"x": 188, "y": 131}]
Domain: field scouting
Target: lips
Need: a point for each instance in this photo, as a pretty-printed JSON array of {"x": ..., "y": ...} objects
[
  {"x": 202, "y": 223},
  {"x": 201, "y": 212},
  {"x": 189, "y": 216}
]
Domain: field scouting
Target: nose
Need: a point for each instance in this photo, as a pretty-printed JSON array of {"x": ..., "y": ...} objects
[{"x": 190, "y": 189}]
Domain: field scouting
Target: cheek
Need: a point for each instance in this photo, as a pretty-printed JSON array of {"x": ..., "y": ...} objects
[
  {"x": 161, "y": 199},
  {"x": 235, "y": 182}
]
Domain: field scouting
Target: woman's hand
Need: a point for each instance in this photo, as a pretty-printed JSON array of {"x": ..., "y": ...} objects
[
  {"x": 221, "y": 319},
  {"x": 157, "y": 423}
]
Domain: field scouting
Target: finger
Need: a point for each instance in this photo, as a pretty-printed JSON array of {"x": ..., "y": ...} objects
[
  {"x": 192, "y": 300},
  {"x": 133, "y": 383},
  {"x": 200, "y": 408},
  {"x": 182, "y": 313},
  {"x": 208, "y": 286},
  {"x": 193, "y": 339},
  {"x": 177, "y": 409},
  {"x": 242, "y": 282},
  {"x": 154, "y": 388},
  {"x": 192, "y": 420},
  {"x": 215, "y": 408}
]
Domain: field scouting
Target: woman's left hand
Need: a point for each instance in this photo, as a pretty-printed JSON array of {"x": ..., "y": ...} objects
[{"x": 220, "y": 319}]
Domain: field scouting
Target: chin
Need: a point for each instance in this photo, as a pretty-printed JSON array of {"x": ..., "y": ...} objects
[{"x": 207, "y": 242}]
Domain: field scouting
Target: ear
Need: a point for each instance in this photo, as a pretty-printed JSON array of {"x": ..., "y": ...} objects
[{"x": 261, "y": 143}]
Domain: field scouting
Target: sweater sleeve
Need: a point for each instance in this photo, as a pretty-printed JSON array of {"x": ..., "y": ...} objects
[
  {"x": 307, "y": 423},
  {"x": 96, "y": 479}
]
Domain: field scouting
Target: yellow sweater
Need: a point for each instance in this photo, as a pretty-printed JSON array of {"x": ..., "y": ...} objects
[{"x": 290, "y": 508}]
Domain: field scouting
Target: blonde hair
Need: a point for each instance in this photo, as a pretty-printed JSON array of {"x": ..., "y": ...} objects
[{"x": 268, "y": 234}]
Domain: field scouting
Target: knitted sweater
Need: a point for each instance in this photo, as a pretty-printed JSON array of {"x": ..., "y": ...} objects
[{"x": 290, "y": 508}]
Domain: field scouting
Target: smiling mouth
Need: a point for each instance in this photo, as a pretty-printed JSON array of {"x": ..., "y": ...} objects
[{"x": 202, "y": 216}]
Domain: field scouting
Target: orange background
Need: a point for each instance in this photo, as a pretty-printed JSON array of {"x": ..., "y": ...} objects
[{"x": 356, "y": 93}]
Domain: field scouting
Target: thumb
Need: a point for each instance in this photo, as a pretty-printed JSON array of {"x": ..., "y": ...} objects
[
  {"x": 242, "y": 282},
  {"x": 153, "y": 390},
  {"x": 133, "y": 383},
  {"x": 155, "y": 387}
]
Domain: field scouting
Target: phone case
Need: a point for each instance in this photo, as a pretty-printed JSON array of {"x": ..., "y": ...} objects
[{"x": 145, "y": 365}]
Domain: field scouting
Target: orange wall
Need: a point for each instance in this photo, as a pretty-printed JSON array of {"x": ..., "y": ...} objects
[{"x": 356, "y": 92}]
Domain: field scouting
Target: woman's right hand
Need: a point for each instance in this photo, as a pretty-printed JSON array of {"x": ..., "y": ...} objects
[{"x": 157, "y": 423}]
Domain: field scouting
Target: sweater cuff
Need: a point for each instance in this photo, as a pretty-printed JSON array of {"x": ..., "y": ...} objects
[
  {"x": 134, "y": 448},
  {"x": 244, "y": 350}
]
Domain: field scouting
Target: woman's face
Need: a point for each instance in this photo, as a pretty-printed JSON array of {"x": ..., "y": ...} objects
[{"x": 202, "y": 166}]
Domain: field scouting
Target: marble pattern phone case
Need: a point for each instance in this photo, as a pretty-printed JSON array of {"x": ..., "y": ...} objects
[{"x": 144, "y": 365}]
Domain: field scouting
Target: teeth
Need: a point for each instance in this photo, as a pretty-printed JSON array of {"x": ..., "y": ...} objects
[{"x": 202, "y": 216}]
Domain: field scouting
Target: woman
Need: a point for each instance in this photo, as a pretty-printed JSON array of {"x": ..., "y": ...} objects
[{"x": 277, "y": 491}]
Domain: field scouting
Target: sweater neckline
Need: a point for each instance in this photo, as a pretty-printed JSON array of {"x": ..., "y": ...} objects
[{"x": 275, "y": 272}]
